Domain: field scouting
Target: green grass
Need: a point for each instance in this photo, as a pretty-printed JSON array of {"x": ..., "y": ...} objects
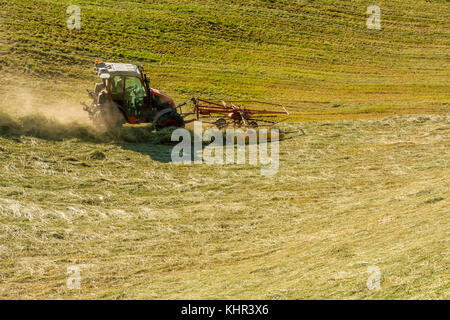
[
  {"x": 311, "y": 55},
  {"x": 366, "y": 185}
]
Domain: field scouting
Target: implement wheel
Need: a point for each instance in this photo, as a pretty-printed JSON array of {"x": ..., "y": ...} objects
[{"x": 221, "y": 123}]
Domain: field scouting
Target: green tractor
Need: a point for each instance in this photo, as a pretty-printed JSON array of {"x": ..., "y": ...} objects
[{"x": 124, "y": 96}]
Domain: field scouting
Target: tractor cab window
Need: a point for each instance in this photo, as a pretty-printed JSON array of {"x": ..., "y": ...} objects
[
  {"x": 135, "y": 96},
  {"x": 117, "y": 89}
]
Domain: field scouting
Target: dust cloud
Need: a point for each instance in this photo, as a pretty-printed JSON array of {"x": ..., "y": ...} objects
[
  {"x": 22, "y": 114},
  {"x": 25, "y": 103}
]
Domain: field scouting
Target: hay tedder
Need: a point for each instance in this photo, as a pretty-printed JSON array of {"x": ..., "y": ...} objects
[{"x": 125, "y": 96}]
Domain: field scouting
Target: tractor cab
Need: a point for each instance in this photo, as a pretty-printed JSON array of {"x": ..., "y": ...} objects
[
  {"x": 129, "y": 93},
  {"x": 125, "y": 96},
  {"x": 126, "y": 87}
]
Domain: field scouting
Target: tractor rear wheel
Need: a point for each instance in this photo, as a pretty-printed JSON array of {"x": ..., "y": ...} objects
[
  {"x": 170, "y": 119},
  {"x": 108, "y": 117}
]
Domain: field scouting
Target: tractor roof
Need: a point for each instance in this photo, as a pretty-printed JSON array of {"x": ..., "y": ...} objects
[{"x": 117, "y": 69}]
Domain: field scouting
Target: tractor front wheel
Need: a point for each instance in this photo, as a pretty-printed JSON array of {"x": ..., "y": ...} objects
[{"x": 170, "y": 119}]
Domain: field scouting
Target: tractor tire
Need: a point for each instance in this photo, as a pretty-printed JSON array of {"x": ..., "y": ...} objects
[
  {"x": 108, "y": 118},
  {"x": 171, "y": 119},
  {"x": 99, "y": 87}
]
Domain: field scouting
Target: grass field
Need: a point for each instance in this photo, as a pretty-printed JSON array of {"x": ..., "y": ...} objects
[
  {"x": 316, "y": 56},
  {"x": 349, "y": 195},
  {"x": 364, "y": 184}
]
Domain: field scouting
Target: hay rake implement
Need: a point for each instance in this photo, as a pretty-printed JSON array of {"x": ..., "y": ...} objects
[{"x": 236, "y": 113}]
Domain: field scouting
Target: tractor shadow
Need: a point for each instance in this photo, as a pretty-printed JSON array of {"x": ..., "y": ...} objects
[
  {"x": 156, "y": 145},
  {"x": 157, "y": 152}
]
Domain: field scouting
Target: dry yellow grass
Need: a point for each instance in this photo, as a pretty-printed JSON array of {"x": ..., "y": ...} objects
[{"x": 349, "y": 195}]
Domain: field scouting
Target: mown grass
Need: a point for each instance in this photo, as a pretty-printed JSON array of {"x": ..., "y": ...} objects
[{"x": 349, "y": 195}]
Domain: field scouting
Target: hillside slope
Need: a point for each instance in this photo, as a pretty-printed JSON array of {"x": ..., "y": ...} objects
[
  {"x": 350, "y": 195},
  {"x": 317, "y": 56}
]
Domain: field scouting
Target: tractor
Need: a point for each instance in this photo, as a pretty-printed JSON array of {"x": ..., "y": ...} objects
[{"x": 124, "y": 96}]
